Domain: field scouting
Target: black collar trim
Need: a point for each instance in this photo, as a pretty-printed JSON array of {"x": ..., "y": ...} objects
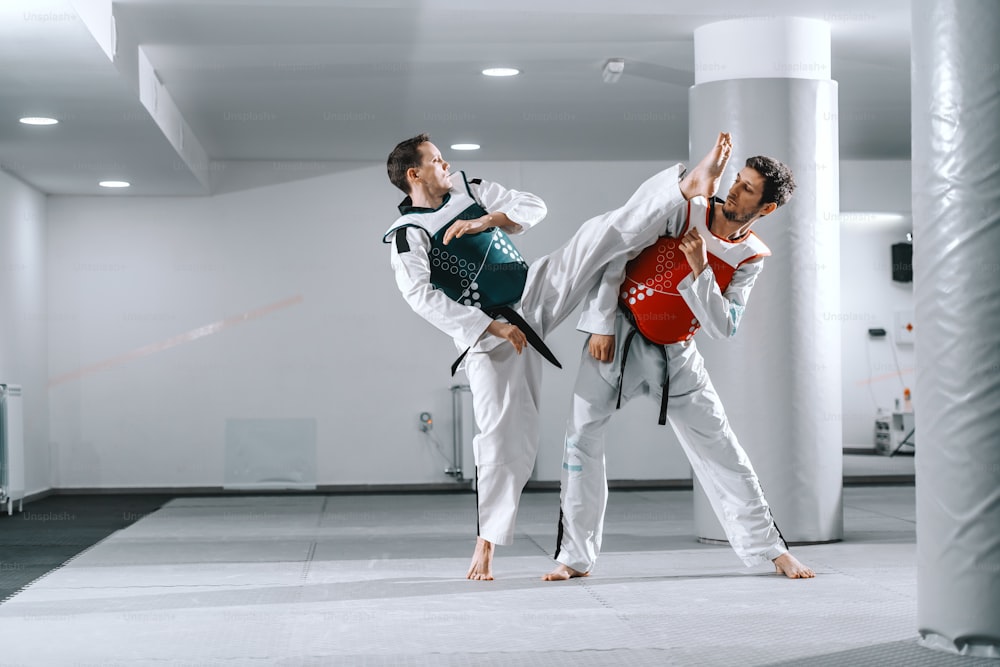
[{"x": 406, "y": 206}]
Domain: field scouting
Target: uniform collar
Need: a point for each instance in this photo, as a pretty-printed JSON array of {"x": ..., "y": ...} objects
[{"x": 406, "y": 206}]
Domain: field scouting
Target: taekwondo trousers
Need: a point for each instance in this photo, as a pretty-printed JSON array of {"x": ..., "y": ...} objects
[
  {"x": 506, "y": 386},
  {"x": 698, "y": 419}
]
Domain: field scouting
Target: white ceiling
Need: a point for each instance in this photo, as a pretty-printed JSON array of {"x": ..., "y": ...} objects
[{"x": 293, "y": 82}]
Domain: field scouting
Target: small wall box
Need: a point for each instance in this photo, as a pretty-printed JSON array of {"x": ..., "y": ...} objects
[{"x": 902, "y": 262}]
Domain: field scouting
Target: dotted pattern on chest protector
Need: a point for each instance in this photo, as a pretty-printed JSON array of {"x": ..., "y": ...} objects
[{"x": 468, "y": 270}]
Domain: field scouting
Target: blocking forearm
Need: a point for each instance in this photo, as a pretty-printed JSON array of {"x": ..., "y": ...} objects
[{"x": 503, "y": 222}]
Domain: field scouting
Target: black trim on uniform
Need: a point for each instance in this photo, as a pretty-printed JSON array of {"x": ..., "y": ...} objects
[
  {"x": 782, "y": 537},
  {"x": 406, "y": 206},
  {"x": 391, "y": 232},
  {"x": 402, "y": 245},
  {"x": 477, "y": 501},
  {"x": 467, "y": 188},
  {"x": 559, "y": 535},
  {"x": 476, "y": 181},
  {"x": 764, "y": 495}
]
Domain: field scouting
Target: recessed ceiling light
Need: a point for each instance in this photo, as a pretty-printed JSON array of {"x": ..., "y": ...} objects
[
  {"x": 501, "y": 71},
  {"x": 114, "y": 184},
  {"x": 38, "y": 120},
  {"x": 465, "y": 147}
]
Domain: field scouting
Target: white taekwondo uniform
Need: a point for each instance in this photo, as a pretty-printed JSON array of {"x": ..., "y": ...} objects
[
  {"x": 506, "y": 386},
  {"x": 695, "y": 412}
]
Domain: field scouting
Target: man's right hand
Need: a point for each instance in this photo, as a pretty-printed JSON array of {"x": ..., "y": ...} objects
[
  {"x": 602, "y": 347},
  {"x": 508, "y": 332}
]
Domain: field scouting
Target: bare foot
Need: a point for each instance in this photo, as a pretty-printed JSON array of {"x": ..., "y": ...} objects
[
  {"x": 704, "y": 179},
  {"x": 789, "y": 565},
  {"x": 481, "y": 568},
  {"x": 562, "y": 573}
]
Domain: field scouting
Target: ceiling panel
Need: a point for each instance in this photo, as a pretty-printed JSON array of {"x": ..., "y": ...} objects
[{"x": 319, "y": 81}]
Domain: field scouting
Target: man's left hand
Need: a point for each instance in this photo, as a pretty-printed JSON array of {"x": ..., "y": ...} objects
[
  {"x": 462, "y": 227},
  {"x": 693, "y": 247}
]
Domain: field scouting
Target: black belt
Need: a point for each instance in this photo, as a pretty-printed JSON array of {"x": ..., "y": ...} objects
[
  {"x": 514, "y": 318},
  {"x": 666, "y": 372}
]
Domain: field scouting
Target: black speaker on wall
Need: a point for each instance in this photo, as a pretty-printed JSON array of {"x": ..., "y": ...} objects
[{"x": 902, "y": 262}]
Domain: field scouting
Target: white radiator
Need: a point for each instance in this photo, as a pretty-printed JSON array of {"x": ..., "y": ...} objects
[{"x": 11, "y": 448}]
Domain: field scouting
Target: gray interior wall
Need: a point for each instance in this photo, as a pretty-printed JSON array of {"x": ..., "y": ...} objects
[
  {"x": 875, "y": 213},
  {"x": 178, "y": 321},
  {"x": 166, "y": 344},
  {"x": 24, "y": 318}
]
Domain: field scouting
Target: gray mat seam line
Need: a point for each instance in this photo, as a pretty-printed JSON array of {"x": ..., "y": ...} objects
[
  {"x": 874, "y": 584},
  {"x": 307, "y": 565},
  {"x": 538, "y": 546},
  {"x": 882, "y": 514}
]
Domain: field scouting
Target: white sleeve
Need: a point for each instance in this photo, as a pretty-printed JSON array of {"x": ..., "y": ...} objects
[
  {"x": 601, "y": 304},
  {"x": 465, "y": 324},
  {"x": 523, "y": 208},
  {"x": 718, "y": 313}
]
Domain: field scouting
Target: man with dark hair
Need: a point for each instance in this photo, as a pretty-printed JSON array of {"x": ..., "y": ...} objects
[
  {"x": 457, "y": 267},
  {"x": 641, "y": 342}
]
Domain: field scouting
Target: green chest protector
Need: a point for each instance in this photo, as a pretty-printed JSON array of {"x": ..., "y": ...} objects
[{"x": 482, "y": 270}]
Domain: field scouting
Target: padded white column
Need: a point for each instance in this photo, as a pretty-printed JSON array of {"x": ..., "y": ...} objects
[
  {"x": 956, "y": 224},
  {"x": 768, "y": 82}
]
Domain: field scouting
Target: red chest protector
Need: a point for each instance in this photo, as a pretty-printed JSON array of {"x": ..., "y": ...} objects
[{"x": 649, "y": 294}]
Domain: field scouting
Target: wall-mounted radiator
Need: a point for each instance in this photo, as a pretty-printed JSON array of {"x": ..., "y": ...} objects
[{"x": 11, "y": 448}]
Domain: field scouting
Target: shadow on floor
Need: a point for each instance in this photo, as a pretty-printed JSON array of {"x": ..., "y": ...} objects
[{"x": 54, "y": 529}]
